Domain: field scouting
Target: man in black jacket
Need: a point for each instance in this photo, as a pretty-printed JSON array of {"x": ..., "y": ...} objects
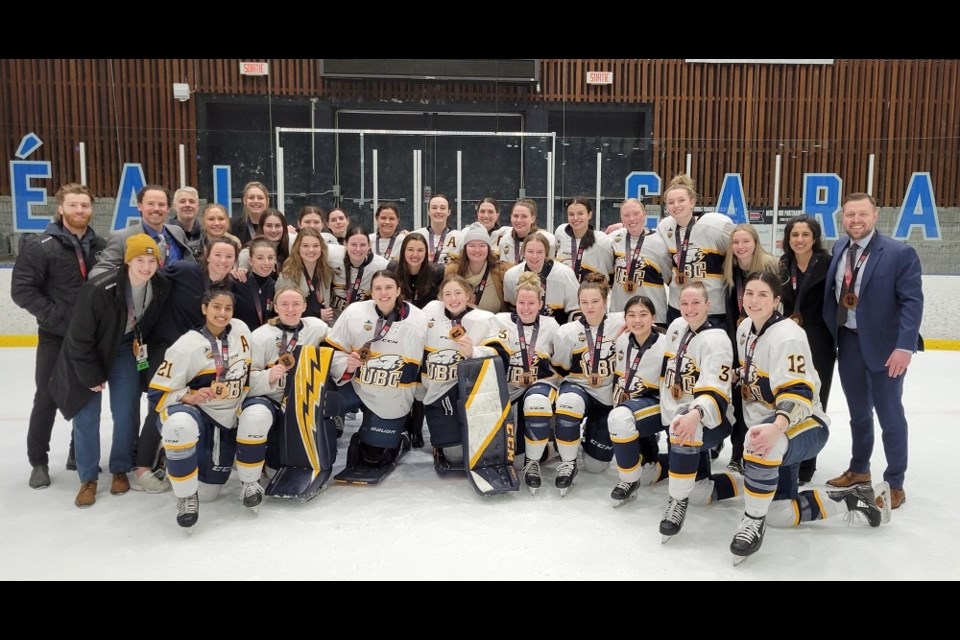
[{"x": 46, "y": 279}]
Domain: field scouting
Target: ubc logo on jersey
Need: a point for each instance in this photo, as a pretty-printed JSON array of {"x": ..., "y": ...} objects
[
  {"x": 602, "y": 366},
  {"x": 368, "y": 326},
  {"x": 515, "y": 370},
  {"x": 382, "y": 371},
  {"x": 442, "y": 365},
  {"x": 697, "y": 268},
  {"x": 688, "y": 375}
]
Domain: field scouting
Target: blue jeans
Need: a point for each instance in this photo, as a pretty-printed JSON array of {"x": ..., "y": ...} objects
[{"x": 123, "y": 382}]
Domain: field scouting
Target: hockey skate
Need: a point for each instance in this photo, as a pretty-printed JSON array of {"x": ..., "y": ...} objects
[
  {"x": 624, "y": 492},
  {"x": 251, "y": 495},
  {"x": 531, "y": 475},
  {"x": 188, "y": 512},
  {"x": 673, "y": 518},
  {"x": 748, "y": 538},
  {"x": 566, "y": 473},
  {"x": 861, "y": 499}
]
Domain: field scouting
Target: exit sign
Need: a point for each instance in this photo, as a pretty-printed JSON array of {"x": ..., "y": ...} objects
[
  {"x": 599, "y": 77},
  {"x": 254, "y": 68}
]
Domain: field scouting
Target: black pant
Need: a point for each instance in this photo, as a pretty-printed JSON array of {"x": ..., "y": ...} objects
[
  {"x": 148, "y": 446},
  {"x": 739, "y": 433},
  {"x": 44, "y": 408}
]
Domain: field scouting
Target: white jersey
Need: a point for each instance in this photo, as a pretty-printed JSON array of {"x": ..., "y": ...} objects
[
  {"x": 189, "y": 365},
  {"x": 705, "y": 373},
  {"x": 505, "y": 342},
  {"x": 597, "y": 259},
  {"x": 448, "y": 242},
  {"x": 387, "y": 248},
  {"x": 267, "y": 341},
  {"x": 360, "y": 282},
  {"x": 386, "y": 381},
  {"x": 560, "y": 288},
  {"x": 243, "y": 260},
  {"x": 645, "y": 376},
  {"x": 441, "y": 355},
  {"x": 781, "y": 375},
  {"x": 508, "y": 244},
  {"x": 649, "y": 269},
  {"x": 709, "y": 243},
  {"x": 330, "y": 239},
  {"x": 575, "y": 357}
]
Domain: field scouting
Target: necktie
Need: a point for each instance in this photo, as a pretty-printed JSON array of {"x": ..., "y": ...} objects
[
  {"x": 848, "y": 283},
  {"x": 162, "y": 245}
]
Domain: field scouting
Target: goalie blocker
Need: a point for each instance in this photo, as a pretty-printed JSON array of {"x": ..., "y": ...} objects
[{"x": 489, "y": 438}]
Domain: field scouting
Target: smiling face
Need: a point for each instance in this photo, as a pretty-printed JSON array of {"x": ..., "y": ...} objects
[
  {"x": 694, "y": 306},
  {"x": 313, "y": 221},
  {"x": 290, "y": 305},
  {"x": 439, "y": 212},
  {"x": 593, "y": 305},
  {"x": 632, "y": 215},
  {"x": 262, "y": 260},
  {"x": 455, "y": 298},
  {"x": 154, "y": 209},
  {"x": 415, "y": 253},
  {"x": 215, "y": 223},
  {"x": 639, "y": 321},
  {"x": 186, "y": 205},
  {"x": 76, "y": 212},
  {"x": 273, "y": 228},
  {"x": 337, "y": 221},
  {"x": 487, "y": 215},
  {"x": 221, "y": 258},
  {"x": 859, "y": 218},
  {"x": 578, "y": 217},
  {"x": 310, "y": 250},
  {"x": 680, "y": 205},
  {"x": 528, "y": 305},
  {"x": 218, "y": 313},
  {"x": 535, "y": 254},
  {"x": 387, "y": 221},
  {"x": 801, "y": 239},
  {"x": 385, "y": 293},
  {"x": 141, "y": 269},
  {"x": 521, "y": 218},
  {"x": 255, "y": 200},
  {"x": 358, "y": 247},
  {"x": 742, "y": 246},
  {"x": 759, "y": 301},
  {"x": 477, "y": 252}
]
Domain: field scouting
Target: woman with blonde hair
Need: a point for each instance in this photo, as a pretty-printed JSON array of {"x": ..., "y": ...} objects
[
  {"x": 309, "y": 269},
  {"x": 523, "y": 218},
  {"x": 256, "y": 199}
]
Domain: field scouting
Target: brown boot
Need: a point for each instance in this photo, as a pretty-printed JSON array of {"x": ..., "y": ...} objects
[
  {"x": 897, "y": 498},
  {"x": 848, "y": 479},
  {"x": 120, "y": 484},
  {"x": 87, "y": 495}
]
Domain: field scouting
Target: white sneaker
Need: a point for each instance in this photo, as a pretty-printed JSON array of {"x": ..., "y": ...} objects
[{"x": 151, "y": 482}]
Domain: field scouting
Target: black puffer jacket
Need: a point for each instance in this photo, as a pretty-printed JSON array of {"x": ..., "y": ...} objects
[
  {"x": 46, "y": 277},
  {"x": 98, "y": 325}
]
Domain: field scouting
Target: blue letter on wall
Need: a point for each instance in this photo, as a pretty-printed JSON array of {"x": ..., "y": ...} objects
[
  {"x": 918, "y": 209},
  {"x": 731, "y": 200},
  {"x": 221, "y": 186},
  {"x": 821, "y": 198},
  {"x": 26, "y": 197},
  {"x": 640, "y": 184},
  {"x": 131, "y": 181}
]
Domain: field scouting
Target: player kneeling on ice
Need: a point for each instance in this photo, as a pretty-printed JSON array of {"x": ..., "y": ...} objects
[
  {"x": 787, "y": 425},
  {"x": 453, "y": 328},
  {"x": 524, "y": 341},
  {"x": 635, "y": 421},
  {"x": 273, "y": 401},
  {"x": 198, "y": 390},
  {"x": 379, "y": 347},
  {"x": 695, "y": 403},
  {"x": 583, "y": 355}
]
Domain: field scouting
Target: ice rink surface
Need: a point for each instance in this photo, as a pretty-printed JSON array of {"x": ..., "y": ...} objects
[{"x": 418, "y": 526}]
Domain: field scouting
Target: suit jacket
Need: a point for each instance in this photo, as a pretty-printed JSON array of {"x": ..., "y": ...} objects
[
  {"x": 112, "y": 256},
  {"x": 890, "y": 304}
]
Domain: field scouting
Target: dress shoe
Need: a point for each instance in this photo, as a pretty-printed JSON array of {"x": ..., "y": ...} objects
[
  {"x": 120, "y": 484},
  {"x": 87, "y": 495},
  {"x": 897, "y": 498},
  {"x": 848, "y": 479}
]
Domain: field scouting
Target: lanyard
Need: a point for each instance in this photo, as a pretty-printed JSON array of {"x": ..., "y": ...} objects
[
  {"x": 383, "y": 328},
  {"x": 288, "y": 347},
  {"x": 595, "y": 356},
  {"x": 221, "y": 355},
  {"x": 478, "y": 290},
  {"x": 256, "y": 297},
  {"x": 354, "y": 289},
  {"x": 439, "y": 245},
  {"x": 850, "y": 276},
  {"x": 793, "y": 280},
  {"x": 738, "y": 280},
  {"x": 681, "y": 350},
  {"x": 682, "y": 246},
  {"x": 80, "y": 260},
  {"x": 635, "y": 258},
  {"x": 131, "y": 309},
  {"x": 527, "y": 353},
  {"x": 748, "y": 358},
  {"x": 386, "y": 254},
  {"x": 642, "y": 349},
  {"x": 576, "y": 260},
  {"x": 312, "y": 285},
  {"x": 544, "y": 273}
]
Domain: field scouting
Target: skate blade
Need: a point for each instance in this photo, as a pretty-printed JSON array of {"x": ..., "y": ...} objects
[
  {"x": 665, "y": 539},
  {"x": 563, "y": 492},
  {"x": 255, "y": 510},
  {"x": 738, "y": 560},
  {"x": 533, "y": 490},
  {"x": 188, "y": 531},
  {"x": 883, "y": 494},
  {"x": 619, "y": 503}
]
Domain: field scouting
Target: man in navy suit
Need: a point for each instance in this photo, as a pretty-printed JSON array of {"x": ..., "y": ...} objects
[{"x": 873, "y": 304}]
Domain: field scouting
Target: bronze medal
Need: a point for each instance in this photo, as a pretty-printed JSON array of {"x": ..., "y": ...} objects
[
  {"x": 136, "y": 348},
  {"x": 850, "y": 300},
  {"x": 620, "y": 396},
  {"x": 527, "y": 378},
  {"x": 364, "y": 353},
  {"x": 630, "y": 286},
  {"x": 220, "y": 390},
  {"x": 594, "y": 379},
  {"x": 287, "y": 360},
  {"x": 796, "y": 317},
  {"x": 681, "y": 279},
  {"x": 746, "y": 392},
  {"x": 457, "y": 332},
  {"x": 676, "y": 391}
]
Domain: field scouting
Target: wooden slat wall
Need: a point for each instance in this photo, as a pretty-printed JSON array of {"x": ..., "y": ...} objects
[{"x": 731, "y": 117}]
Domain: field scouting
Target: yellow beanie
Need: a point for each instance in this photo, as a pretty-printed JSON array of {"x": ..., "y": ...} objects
[{"x": 140, "y": 245}]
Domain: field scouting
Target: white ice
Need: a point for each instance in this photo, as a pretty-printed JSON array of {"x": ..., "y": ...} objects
[{"x": 418, "y": 526}]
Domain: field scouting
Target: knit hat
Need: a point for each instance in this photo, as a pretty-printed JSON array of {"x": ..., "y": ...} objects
[
  {"x": 475, "y": 231},
  {"x": 140, "y": 245}
]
